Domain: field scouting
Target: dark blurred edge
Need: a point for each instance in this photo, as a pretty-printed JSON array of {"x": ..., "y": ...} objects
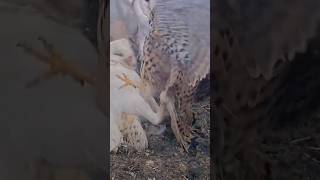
[
  {"x": 103, "y": 36},
  {"x": 212, "y": 121}
]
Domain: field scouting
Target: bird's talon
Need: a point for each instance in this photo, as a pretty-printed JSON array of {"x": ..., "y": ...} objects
[
  {"x": 56, "y": 62},
  {"x": 127, "y": 81}
]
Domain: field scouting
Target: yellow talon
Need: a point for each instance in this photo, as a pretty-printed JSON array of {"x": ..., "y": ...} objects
[
  {"x": 57, "y": 64},
  {"x": 127, "y": 81}
]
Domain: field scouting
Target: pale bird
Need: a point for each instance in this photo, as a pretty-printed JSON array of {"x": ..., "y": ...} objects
[{"x": 127, "y": 104}]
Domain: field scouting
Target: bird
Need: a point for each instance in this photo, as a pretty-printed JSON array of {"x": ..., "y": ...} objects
[
  {"x": 175, "y": 55},
  {"x": 255, "y": 46},
  {"x": 128, "y": 105}
]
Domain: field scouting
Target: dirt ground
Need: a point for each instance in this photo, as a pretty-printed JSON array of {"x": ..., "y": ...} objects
[
  {"x": 295, "y": 149},
  {"x": 164, "y": 159},
  {"x": 294, "y": 143}
]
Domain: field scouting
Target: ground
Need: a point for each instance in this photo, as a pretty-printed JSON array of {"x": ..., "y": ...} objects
[
  {"x": 296, "y": 149},
  {"x": 165, "y": 159},
  {"x": 295, "y": 143}
]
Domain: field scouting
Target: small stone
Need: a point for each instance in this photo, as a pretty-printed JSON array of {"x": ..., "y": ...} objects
[
  {"x": 182, "y": 167},
  {"x": 149, "y": 163}
]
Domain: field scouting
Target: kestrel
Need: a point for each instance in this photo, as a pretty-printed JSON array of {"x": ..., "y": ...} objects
[
  {"x": 254, "y": 45},
  {"x": 173, "y": 40}
]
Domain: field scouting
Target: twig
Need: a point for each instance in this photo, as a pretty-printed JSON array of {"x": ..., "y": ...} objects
[
  {"x": 313, "y": 148},
  {"x": 206, "y": 107},
  {"x": 312, "y": 158},
  {"x": 295, "y": 141}
]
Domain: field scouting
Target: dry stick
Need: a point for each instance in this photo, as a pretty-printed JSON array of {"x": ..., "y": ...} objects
[{"x": 295, "y": 141}]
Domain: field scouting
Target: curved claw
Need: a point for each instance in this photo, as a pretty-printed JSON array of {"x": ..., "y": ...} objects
[
  {"x": 57, "y": 64},
  {"x": 127, "y": 81}
]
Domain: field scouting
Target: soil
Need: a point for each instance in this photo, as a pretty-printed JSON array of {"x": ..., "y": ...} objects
[
  {"x": 295, "y": 150},
  {"x": 164, "y": 158},
  {"x": 292, "y": 143}
]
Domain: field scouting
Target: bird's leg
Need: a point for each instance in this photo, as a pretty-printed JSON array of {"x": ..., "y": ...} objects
[
  {"x": 174, "y": 77},
  {"x": 58, "y": 65},
  {"x": 147, "y": 93},
  {"x": 162, "y": 111},
  {"x": 144, "y": 107}
]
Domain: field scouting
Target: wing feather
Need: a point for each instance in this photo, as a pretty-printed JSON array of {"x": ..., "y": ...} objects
[{"x": 188, "y": 23}]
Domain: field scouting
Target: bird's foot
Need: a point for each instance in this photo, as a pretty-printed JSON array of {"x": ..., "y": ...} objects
[
  {"x": 58, "y": 65},
  {"x": 156, "y": 129},
  {"x": 127, "y": 81}
]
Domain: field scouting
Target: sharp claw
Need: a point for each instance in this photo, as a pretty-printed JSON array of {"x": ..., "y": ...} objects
[
  {"x": 126, "y": 80},
  {"x": 56, "y": 62}
]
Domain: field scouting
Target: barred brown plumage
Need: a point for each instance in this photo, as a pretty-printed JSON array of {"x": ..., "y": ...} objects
[{"x": 175, "y": 57}]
